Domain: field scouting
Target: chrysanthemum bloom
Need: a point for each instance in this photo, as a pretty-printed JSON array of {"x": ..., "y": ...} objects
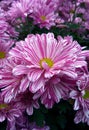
[
  {"x": 84, "y": 11},
  {"x": 20, "y": 9},
  {"x": 45, "y": 57},
  {"x": 11, "y": 84},
  {"x": 44, "y": 15},
  {"x": 66, "y": 10},
  {"x": 3, "y": 28},
  {"x": 26, "y": 98},
  {"x": 10, "y": 110},
  {"x": 7, "y": 32},
  {"x": 81, "y": 95},
  {"x": 4, "y": 49}
]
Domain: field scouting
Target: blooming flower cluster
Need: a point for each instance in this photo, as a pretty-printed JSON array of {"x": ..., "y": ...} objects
[{"x": 40, "y": 67}]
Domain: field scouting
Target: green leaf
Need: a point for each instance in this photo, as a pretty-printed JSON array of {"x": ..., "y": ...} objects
[
  {"x": 61, "y": 120},
  {"x": 39, "y": 118},
  {"x": 53, "y": 127},
  {"x": 64, "y": 107},
  {"x": 74, "y": 26}
]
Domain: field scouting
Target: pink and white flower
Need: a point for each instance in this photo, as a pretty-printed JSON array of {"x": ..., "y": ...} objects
[
  {"x": 44, "y": 15},
  {"x": 81, "y": 95},
  {"x": 45, "y": 57},
  {"x": 10, "y": 110},
  {"x": 26, "y": 98},
  {"x": 20, "y": 9},
  {"x": 10, "y": 84},
  {"x": 7, "y": 32}
]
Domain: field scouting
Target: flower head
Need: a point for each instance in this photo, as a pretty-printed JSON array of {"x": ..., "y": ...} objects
[
  {"x": 20, "y": 9},
  {"x": 26, "y": 98},
  {"x": 11, "y": 84},
  {"x": 81, "y": 95},
  {"x": 7, "y": 33},
  {"x": 45, "y": 57},
  {"x": 10, "y": 110},
  {"x": 44, "y": 14}
]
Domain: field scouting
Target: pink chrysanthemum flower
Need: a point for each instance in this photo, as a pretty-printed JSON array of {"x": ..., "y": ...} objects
[
  {"x": 46, "y": 57},
  {"x": 81, "y": 95},
  {"x": 11, "y": 84},
  {"x": 20, "y": 9},
  {"x": 28, "y": 102},
  {"x": 44, "y": 15},
  {"x": 10, "y": 110},
  {"x": 3, "y": 28},
  {"x": 4, "y": 49},
  {"x": 7, "y": 32}
]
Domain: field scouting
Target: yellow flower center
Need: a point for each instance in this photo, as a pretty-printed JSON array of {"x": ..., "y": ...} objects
[
  {"x": 43, "y": 18},
  {"x": 2, "y": 55},
  {"x": 86, "y": 95},
  {"x": 3, "y": 106},
  {"x": 48, "y": 61}
]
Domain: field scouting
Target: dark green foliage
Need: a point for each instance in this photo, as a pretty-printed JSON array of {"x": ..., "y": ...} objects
[
  {"x": 60, "y": 117},
  {"x": 70, "y": 29},
  {"x": 3, "y": 125}
]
